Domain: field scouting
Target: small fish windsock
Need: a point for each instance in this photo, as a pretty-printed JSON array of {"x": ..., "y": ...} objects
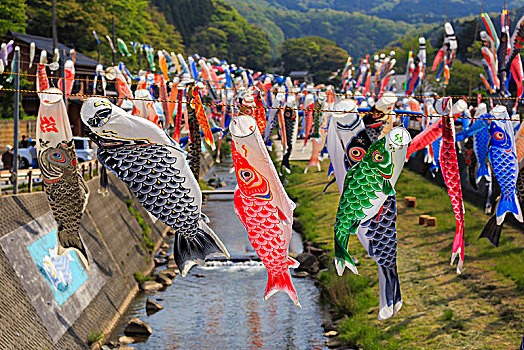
[
  {"x": 32, "y": 50},
  {"x": 503, "y": 158},
  {"x": 154, "y": 168},
  {"x": 262, "y": 205},
  {"x": 144, "y": 107},
  {"x": 122, "y": 47},
  {"x": 450, "y": 172},
  {"x": 65, "y": 187},
  {"x": 366, "y": 187}
]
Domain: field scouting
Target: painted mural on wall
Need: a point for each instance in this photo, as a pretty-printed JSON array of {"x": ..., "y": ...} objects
[
  {"x": 64, "y": 274},
  {"x": 59, "y": 287}
]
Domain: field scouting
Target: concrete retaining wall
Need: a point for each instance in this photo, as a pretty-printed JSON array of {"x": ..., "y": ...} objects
[{"x": 29, "y": 317}]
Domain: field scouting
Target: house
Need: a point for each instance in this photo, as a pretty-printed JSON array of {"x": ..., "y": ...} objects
[
  {"x": 85, "y": 68},
  {"x": 302, "y": 76}
]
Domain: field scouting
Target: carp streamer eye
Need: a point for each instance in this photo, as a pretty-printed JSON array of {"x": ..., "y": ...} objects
[
  {"x": 499, "y": 136},
  {"x": 377, "y": 157},
  {"x": 57, "y": 157},
  {"x": 357, "y": 154},
  {"x": 246, "y": 175}
]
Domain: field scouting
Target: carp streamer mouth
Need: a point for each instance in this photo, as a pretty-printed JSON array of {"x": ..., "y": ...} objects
[
  {"x": 385, "y": 176},
  {"x": 388, "y": 171}
]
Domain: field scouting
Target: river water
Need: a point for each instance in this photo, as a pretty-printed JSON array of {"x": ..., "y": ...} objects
[{"x": 220, "y": 305}]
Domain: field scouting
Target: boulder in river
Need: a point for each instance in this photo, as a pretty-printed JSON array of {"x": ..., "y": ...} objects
[
  {"x": 152, "y": 306},
  {"x": 171, "y": 264},
  {"x": 331, "y": 334},
  {"x": 305, "y": 260},
  {"x": 160, "y": 261},
  {"x": 165, "y": 280},
  {"x": 297, "y": 226},
  {"x": 300, "y": 274},
  {"x": 171, "y": 273},
  {"x": 137, "y": 328},
  {"x": 333, "y": 343},
  {"x": 316, "y": 251},
  {"x": 150, "y": 286},
  {"x": 125, "y": 340}
]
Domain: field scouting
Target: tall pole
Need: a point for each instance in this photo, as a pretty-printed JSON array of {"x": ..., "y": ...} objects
[
  {"x": 17, "y": 116},
  {"x": 114, "y": 42},
  {"x": 473, "y": 53},
  {"x": 55, "y": 37},
  {"x": 445, "y": 18},
  {"x": 62, "y": 73}
]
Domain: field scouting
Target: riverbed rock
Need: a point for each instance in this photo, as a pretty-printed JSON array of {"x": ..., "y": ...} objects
[
  {"x": 170, "y": 233},
  {"x": 126, "y": 340},
  {"x": 331, "y": 334},
  {"x": 297, "y": 226},
  {"x": 150, "y": 286},
  {"x": 199, "y": 275},
  {"x": 314, "y": 268},
  {"x": 305, "y": 260},
  {"x": 315, "y": 251},
  {"x": 165, "y": 280},
  {"x": 300, "y": 274},
  {"x": 333, "y": 343},
  {"x": 170, "y": 273},
  {"x": 324, "y": 261},
  {"x": 160, "y": 261},
  {"x": 171, "y": 264},
  {"x": 152, "y": 307},
  {"x": 328, "y": 326},
  {"x": 111, "y": 344},
  {"x": 162, "y": 254},
  {"x": 165, "y": 246},
  {"x": 137, "y": 328}
]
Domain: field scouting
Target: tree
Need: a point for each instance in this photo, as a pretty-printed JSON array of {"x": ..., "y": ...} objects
[
  {"x": 12, "y": 16},
  {"x": 134, "y": 21},
  {"x": 317, "y": 55}
]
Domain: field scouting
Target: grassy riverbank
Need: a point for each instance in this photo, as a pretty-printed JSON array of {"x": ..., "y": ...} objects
[{"x": 480, "y": 309}]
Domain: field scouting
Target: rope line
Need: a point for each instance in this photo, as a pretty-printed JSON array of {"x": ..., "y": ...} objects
[
  {"x": 278, "y": 108},
  {"x": 272, "y": 90}
]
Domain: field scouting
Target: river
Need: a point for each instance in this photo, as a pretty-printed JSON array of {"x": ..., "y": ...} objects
[{"x": 220, "y": 305}]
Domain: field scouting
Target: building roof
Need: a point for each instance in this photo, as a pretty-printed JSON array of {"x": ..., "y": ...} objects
[
  {"x": 299, "y": 74},
  {"x": 43, "y": 43}
]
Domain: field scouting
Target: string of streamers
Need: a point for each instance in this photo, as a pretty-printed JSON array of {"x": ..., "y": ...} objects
[
  {"x": 273, "y": 90},
  {"x": 268, "y": 107}
]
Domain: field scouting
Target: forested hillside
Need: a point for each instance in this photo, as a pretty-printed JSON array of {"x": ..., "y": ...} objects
[
  {"x": 412, "y": 11},
  {"x": 207, "y": 27},
  {"x": 214, "y": 28},
  {"x": 357, "y": 33}
]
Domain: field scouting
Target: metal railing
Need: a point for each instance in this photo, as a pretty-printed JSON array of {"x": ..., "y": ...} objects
[{"x": 30, "y": 180}]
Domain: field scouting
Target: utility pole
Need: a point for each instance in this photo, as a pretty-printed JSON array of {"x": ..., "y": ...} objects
[
  {"x": 55, "y": 37},
  {"x": 114, "y": 41},
  {"x": 473, "y": 53},
  {"x": 14, "y": 175}
]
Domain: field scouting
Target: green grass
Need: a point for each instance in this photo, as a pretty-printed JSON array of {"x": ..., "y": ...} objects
[
  {"x": 480, "y": 309},
  {"x": 508, "y": 258},
  {"x": 148, "y": 242},
  {"x": 140, "y": 278},
  {"x": 95, "y": 337}
]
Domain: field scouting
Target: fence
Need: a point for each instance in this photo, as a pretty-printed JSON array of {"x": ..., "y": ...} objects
[{"x": 31, "y": 179}]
